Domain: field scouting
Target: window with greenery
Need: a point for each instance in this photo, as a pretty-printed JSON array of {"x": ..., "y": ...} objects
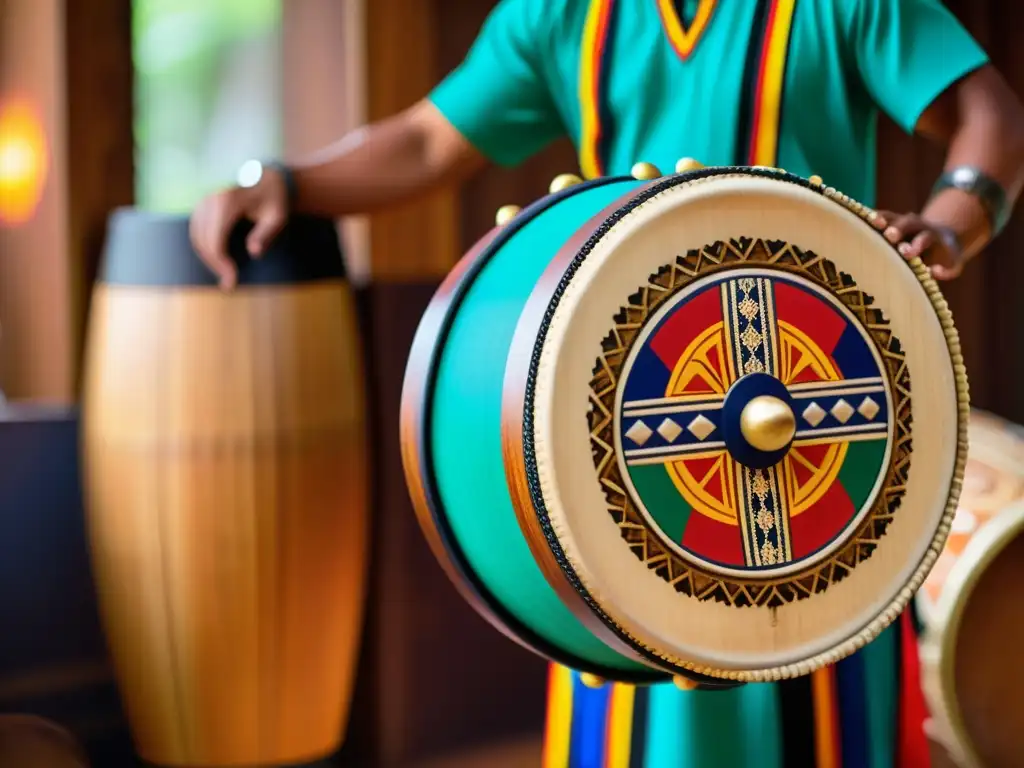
[{"x": 207, "y": 94}]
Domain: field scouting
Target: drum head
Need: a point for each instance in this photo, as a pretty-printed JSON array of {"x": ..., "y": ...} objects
[{"x": 724, "y": 394}]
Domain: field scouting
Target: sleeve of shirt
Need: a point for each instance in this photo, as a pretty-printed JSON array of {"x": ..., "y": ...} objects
[
  {"x": 908, "y": 52},
  {"x": 499, "y": 98}
]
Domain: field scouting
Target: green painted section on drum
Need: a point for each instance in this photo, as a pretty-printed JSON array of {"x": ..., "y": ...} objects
[
  {"x": 665, "y": 504},
  {"x": 670, "y": 511},
  {"x": 861, "y": 468},
  {"x": 466, "y": 436}
]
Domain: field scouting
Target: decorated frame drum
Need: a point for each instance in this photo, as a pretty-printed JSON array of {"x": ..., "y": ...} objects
[
  {"x": 973, "y": 616},
  {"x": 708, "y": 425}
]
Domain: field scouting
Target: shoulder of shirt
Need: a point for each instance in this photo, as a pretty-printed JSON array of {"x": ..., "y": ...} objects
[{"x": 556, "y": 18}]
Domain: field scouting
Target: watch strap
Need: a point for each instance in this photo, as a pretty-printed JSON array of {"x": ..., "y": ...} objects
[
  {"x": 987, "y": 190},
  {"x": 288, "y": 176}
]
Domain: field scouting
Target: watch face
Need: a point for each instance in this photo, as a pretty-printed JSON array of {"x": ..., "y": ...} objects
[
  {"x": 250, "y": 173},
  {"x": 964, "y": 176}
]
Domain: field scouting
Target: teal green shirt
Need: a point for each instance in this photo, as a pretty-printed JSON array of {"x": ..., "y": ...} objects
[{"x": 842, "y": 62}]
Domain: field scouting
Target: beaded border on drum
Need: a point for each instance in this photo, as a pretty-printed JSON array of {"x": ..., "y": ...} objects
[
  {"x": 646, "y": 543},
  {"x": 886, "y": 616}
]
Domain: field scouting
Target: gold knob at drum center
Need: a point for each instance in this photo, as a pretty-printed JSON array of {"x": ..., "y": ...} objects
[{"x": 767, "y": 423}]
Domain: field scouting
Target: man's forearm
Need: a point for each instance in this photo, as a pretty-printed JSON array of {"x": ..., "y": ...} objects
[
  {"x": 382, "y": 165},
  {"x": 998, "y": 156},
  {"x": 988, "y": 135}
]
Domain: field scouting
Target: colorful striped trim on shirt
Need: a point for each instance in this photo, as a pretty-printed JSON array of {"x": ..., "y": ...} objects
[
  {"x": 594, "y": 60},
  {"x": 764, "y": 77},
  {"x": 685, "y": 39},
  {"x": 763, "y": 82}
]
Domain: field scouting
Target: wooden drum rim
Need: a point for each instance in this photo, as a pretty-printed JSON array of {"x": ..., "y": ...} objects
[
  {"x": 946, "y": 617},
  {"x": 417, "y": 455},
  {"x": 525, "y": 480}
]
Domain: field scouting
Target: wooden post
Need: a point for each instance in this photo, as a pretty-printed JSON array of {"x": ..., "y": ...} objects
[{"x": 66, "y": 66}]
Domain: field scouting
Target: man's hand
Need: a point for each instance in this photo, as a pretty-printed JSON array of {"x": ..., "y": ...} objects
[
  {"x": 913, "y": 236},
  {"x": 265, "y": 204}
]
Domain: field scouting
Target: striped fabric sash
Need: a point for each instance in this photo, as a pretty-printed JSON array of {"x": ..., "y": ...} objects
[
  {"x": 596, "y": 728},
  {"x": 764, "y": 72},
  {"x": 595, "y": 56},
  {"x": 763, "y": 80}
]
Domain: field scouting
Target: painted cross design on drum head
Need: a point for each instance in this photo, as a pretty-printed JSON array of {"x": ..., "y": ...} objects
[
  {"x": 733, "y": 494},
  {"x": 750, "y": 423}
]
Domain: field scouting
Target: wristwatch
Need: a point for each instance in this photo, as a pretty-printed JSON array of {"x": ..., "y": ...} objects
[
  {"x": 253, "y": 171},
  {"x": 986, "y": 189}
]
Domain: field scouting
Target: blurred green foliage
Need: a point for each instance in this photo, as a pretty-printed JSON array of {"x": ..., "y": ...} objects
[{"x": 181, "y": 51}]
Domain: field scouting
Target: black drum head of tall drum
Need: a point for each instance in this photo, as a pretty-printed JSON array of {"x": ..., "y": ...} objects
[{"x": 148, "y": 248}]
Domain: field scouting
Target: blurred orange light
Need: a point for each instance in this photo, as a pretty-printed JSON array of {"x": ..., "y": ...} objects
[{"x": 23, "y": 161}]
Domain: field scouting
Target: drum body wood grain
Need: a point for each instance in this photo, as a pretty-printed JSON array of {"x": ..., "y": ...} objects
[
  {"x": 663, "y": 427},
  {"x": 224, "y": 450},
  {"x": 972, "y": 672}
]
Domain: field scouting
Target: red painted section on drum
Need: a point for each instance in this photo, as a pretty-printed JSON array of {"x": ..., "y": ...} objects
[
  {"x": 817, "y": 526},
  {"x": 686, "y": 322},
  {"x": 814, "y": 317},
  {"x": 714, "y": 540}
]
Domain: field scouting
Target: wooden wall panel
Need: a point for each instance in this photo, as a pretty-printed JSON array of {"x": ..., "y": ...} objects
[
  {"x": 36, "y": 348},
  {"x": 70, "y": 59}
]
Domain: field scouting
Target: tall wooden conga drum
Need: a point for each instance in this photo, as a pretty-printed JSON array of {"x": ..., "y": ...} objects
[
  {"x": 224, "y": 457},
  {"x": 973, "y": 615},
  {"x": 709, "y": 425}
]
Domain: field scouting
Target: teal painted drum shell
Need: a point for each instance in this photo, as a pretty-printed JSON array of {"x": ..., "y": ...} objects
[{"x": 465, "y": 434}]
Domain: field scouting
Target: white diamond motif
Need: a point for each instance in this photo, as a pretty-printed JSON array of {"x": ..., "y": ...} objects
[
  {"x": 701, "y": 427},
  {"x": 814, "y": 414},
  {"x": 639, "y": 433},
  {"x": 842, "y": 411},
  {"x": 868, "y": 409},
  {"x": 669, "y": 430}
]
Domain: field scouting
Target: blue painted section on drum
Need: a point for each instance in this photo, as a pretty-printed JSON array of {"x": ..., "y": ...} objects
[
  {"x": 466, "y": 432},
  {"x": 852, "y": 356},
  {"x": 713, "y": 729},
  {"x": 648, "y": 376}
]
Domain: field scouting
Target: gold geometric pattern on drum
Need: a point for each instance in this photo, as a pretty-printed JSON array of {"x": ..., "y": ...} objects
[
  {"x": 753, "y": 365},
  {"x": 769, "y": 554},
  {"x": 639, "y": 433},
  {"x": 765, "y": 520},
  {"x": 669, "y": 430},
  {"x": 868, "y": 408},
  {"x": 701, "y": 427},
  {"x": 814, "y": 414},
  {"x": 645, "y": 543},
  {"x": 748, "y": 308},
  {"x": 842, "y": 411},
  {"x": 751, "y": 338},
  {"x": 760, "y": 486}
]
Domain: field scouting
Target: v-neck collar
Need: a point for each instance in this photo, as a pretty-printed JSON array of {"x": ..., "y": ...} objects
[{"x": 684, "y": 38}]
